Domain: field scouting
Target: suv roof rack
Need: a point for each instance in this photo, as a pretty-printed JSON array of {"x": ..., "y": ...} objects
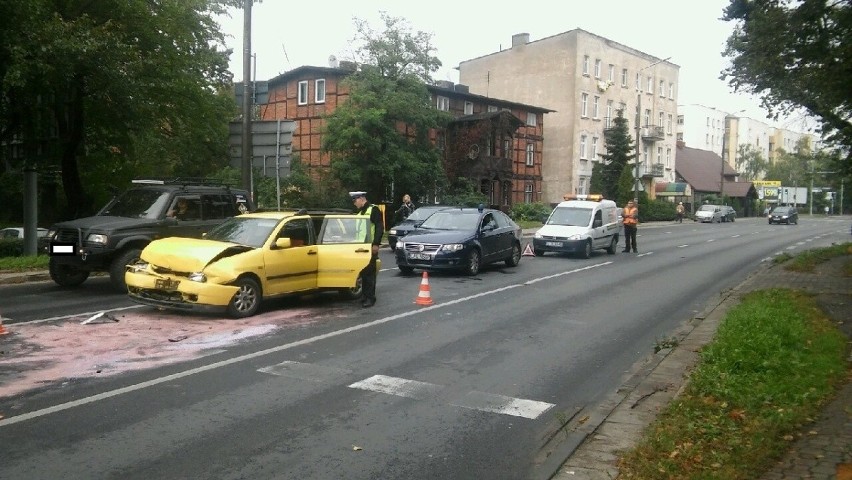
[{"x": 185, "y": 181}]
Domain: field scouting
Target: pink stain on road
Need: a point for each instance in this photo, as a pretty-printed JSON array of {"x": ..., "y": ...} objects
[{"x": 35, "y": 355}]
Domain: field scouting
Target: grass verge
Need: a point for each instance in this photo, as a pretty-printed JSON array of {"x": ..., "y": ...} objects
[
  {"x": 23, "y": 264},
  {"x": 775, "y": 360},
  {"x": 808, "y": 260}
]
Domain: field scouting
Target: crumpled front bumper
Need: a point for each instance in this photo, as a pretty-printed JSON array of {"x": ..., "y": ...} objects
[{"x": 188, "y": 295}]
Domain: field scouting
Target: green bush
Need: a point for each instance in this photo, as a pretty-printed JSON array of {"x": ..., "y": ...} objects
[
  {"x": 11, "y": 247},
  {"x": 657, "y": 210},
  {"x": 529, "y": 211}
]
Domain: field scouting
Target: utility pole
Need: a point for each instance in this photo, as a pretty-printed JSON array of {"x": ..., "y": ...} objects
[{"x": 245, "y": 164}]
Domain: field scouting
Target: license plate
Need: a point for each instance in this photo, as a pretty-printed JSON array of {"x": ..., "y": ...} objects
[
  {"x": 166, "y": 284},
  {"x": 553, "y": 244},
  {"x": 419, "y": 256}
]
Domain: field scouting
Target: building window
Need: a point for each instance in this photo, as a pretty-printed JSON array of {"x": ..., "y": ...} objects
[
  {"x": 645, "y": 154},
  {"x": 492, "y": 108},
  {"x": 596, "y": 106},
  {"x": 680, "y": 119},
  {"x": 528, "y": 193},
  {"x": 586, "y": 65},
  {"x": 706, "y": 139},
  {"x": 584, "y": 105},
  {"x": 507, "y": 147},
  {"x": 668, "y": 157},
  {"x": 594, "y": 148},
  {"x": 651, "y": 85},
  {"x": 659, "y": 154},
  {"x": 581, "y": 186},
  {"x": 582, "y": 147},
  {"x": 708, "y": 121},
  {"x": 531, "y": 119},
  {"x": 611, "y": 77},
  {"x": 671, "y": 90},
  {"x": 303, "y": 93},
  {"x": 507, "y": 192},
  {"x": 662, "y": 120},
  {"x": 597, "y": 68},
  {"x": 530, "y": 154},
  {"x": 638, "y": 81},
  {"x": 443, "y": 103},
  {"x": 608, "y": 114},
  {"x": 468, "y": 108},
  {"x": 319, "y": 91},
  {"x": 662, "y": 89},
  {"x": 669, "y": 124},
  {"x": 623, "y": 77},
  {"x": 647, "y": 117}
]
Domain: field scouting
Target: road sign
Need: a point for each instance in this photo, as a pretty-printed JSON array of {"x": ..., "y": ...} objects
[{"x": 272, "y": 143}]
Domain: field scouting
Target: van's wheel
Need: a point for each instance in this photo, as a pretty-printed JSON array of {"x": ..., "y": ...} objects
[
  {"x": 117, "y": 267},
  {"x": 246, "y": 301},
  {"x": 613, "y": 246},
  {"x": 355, "y": 292},
  {"x": 66, "y": 275},
  {"x": 587, "y": 249},
  {"x": 513, "y": 260},
  {"x": 474, "y": 262}
]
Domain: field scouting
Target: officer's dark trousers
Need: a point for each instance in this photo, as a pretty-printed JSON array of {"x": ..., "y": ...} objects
[
  {"x": 369, "y": 278},
  {"x": 630, "y": 238}
]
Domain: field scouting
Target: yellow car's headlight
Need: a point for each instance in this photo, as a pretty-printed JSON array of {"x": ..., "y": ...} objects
[{"x": 198, "y": 277}]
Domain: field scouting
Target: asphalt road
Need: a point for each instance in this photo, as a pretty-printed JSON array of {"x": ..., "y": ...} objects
[{"x": 475, "y": 386}]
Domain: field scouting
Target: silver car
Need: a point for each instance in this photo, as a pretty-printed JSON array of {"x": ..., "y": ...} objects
[{"x": 709, "y": 213}]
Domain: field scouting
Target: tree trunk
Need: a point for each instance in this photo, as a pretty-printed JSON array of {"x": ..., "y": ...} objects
[{"x": 70, "y": 120}]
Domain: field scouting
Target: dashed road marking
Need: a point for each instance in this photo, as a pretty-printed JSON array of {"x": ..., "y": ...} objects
[
  {"x": 305, "y": 371},
  {"x": 400, "y": 387},
  {"x": 683, "y": 246},
  {"x": 489, "y": 402}
]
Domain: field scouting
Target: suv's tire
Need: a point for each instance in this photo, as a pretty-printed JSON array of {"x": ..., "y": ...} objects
[
  {"x": 246, "y": 301},
  {"x": 355, "y": 292},
  {"x": 66, "y": 275},
  {"x": 116, "y": 268}
]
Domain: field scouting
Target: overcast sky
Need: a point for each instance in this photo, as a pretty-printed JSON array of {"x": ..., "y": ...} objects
[{"x": 287, "y": 35}]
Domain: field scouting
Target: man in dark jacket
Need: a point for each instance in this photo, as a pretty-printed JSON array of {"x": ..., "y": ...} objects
[{"x": 378, "y": 230}]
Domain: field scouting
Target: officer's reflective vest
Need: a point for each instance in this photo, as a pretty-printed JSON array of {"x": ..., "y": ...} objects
[
  {"x": 628, "y": 216},
  {"x": 363, "y": 227}
]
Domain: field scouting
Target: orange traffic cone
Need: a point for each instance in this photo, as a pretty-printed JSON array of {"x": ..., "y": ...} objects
[
  {"x": 3, "y": 330},
  {"x": 423, "y": 296}
]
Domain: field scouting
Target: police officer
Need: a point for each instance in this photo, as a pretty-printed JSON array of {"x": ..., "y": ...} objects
[{"x": 377, "y": 225}]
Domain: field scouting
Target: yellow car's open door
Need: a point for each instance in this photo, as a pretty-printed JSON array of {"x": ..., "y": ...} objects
[{"x": 344, "y": 250}]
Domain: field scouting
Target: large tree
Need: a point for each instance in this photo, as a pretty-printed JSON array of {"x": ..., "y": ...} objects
[
  {"x": 795, "y": 55},
  {"x": 112, "y": 85},
  {"x": 379, "y": 138},
  {"x": 750, "y": 163},
  {"x": 606, "y": 172}
]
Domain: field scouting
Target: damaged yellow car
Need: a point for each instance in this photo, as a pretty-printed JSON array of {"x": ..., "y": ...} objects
[{"x": 251, "y": 258}]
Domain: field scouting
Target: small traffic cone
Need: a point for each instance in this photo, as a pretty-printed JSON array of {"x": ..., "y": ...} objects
[
  {"x": 3, "y": 330},
  {"x": 423, "y": 296}
]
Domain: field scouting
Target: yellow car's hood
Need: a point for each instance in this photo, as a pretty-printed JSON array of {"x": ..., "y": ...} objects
[{"x": 188, "y": 254}]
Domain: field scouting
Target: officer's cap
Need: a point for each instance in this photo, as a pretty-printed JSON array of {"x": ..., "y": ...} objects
[{"x": 355, "y": 195}]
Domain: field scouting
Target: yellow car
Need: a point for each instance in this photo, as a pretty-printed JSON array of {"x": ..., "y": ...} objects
[{"x": 251, "y": 258}]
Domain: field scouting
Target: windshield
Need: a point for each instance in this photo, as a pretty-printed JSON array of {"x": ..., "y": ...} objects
[
  {"x": 252, "y": 232},
  {"x": 137, "y": 203},
  {"x": 574, "y": 217},
  {"x": 781, "y": 210},
  {"x": 422, "y": 213},
  {"x": 707, "y": 208},
  {"x": 452, "y": 220}
]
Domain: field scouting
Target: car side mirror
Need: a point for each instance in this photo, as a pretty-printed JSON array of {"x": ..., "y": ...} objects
[{"x": 282, "y": 243}]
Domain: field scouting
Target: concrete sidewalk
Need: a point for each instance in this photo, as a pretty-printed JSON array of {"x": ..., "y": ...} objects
[{"x": 823, "y": 450}]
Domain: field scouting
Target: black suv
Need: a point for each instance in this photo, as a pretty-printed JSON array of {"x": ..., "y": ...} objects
[{"x": 150, "y": 210}]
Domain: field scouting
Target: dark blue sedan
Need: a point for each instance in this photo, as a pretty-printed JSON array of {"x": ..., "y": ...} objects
[
  {"x": 417, "y": 217},
  {"x": 462, "y": 239}
]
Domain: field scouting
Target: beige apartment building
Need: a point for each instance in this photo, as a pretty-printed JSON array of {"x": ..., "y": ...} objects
[{"x": 585, "y": 78}]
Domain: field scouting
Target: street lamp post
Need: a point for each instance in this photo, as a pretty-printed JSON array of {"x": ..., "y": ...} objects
[{"x": 638, "y": 127}]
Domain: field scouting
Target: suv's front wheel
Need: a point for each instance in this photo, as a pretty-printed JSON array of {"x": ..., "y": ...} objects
[
  {"x": 66, "y": 275},
  {"x": 117, "y": 267}
]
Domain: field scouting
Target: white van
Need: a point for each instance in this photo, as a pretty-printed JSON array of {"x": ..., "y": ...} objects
[{"x": 580, "y": 224}]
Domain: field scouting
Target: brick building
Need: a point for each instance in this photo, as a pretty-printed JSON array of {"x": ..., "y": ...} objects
[{"x": 496, "y": 143}]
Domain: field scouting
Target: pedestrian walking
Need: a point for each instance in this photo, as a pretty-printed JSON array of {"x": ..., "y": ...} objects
[
  {"x": 630, "y": 216},
  {"x": 406, "y": 208},
  {"x": 377, "y": 227},
  {"x": 680, "y": 211}
]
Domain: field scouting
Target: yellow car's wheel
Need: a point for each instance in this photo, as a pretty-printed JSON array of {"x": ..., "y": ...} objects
[{"x": 246, "y": 301}]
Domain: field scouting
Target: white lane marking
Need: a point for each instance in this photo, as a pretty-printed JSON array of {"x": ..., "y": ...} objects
[
  {"x": 84, "y": 314},
  {"x": 643, "y": 254},
  {"x": 305, "y": 371},
  {"x": 711, "y": 240},
  {"x": 489, "y": 402},
  {"x": 791, "y": 247},
  {"x": 398, "y": 386},
  {"x": 800, "y": 243},
  {"x": 566, "y": 273},
  {"x": 735, "y": 236},
  {"x": 683, "y": 246}
]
